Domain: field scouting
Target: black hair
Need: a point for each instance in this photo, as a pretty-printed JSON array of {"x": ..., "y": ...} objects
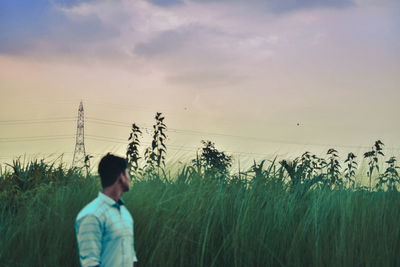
[{"x": 110, "y": 167}]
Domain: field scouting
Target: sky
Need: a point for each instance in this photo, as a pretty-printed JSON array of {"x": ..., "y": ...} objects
[{"x": 258, "y": 78}]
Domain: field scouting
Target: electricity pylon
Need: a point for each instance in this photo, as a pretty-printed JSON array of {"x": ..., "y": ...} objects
[{"x": 80, "y": 154}]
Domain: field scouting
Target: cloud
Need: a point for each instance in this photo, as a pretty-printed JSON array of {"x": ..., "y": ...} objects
[
  {"x": 208, "y": 78},
  {"x": 191, "y": 37},
  {"x": 200, "y": 56},
  {"x": 25, "y": 27},
  {"x": 166, "y": 3},
  {"x": 71, "y": 25},
  {"x": 187, "y": 42},
  {"x": 272, "y": 6},
  {"x": 69, "y": 3},
  {"x": 198, "y": 47},
  {"x": 282, "y": 6}
]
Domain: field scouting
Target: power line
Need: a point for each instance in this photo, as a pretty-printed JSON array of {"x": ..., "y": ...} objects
[
  {"x": 38, "y": 122},
  {"x": 119, "y": 142},
  {"x": 181, "y": 131},
  {"x": 112, "y": 121},
  {"x": 202, "y": 133},
  {"x": 35, "y": 155},
  {"x": 116, "y": 141},
  {"x": 59, "y": 137},
  {"x": 192, "y": 149},
  {"x": 30, "y": 121},
  {"x": 42, "y": 119},
  {"x": 35, "y": 138},
  {"x": 123, "y": 141}
]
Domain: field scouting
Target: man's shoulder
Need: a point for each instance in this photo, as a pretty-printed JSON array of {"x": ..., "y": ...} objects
[{"x": 94, "y": 209}]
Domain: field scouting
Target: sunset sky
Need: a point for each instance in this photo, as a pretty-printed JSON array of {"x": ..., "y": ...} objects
[{"x": 259, "y": 78}]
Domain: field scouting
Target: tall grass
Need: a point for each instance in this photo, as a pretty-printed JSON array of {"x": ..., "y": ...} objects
[{"x": 193, "y": 220}]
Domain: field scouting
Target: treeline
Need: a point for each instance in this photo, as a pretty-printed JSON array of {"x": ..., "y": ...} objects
[{"x": 308, "y": 170}]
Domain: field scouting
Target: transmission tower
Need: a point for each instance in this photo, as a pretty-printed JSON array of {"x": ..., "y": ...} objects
[{"x": 80, "y": 154}]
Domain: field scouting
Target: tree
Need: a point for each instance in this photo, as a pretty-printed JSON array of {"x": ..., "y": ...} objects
[
  {"x": 213, "y": 161},
  {"x": 155, "y": 154},
  {"x": 391, "y": 177},
  {"x": 373, "y": 159},
  {"x": 333, "y": 168},
  {"x": 132, "y": 153},
  {"x": 350, "y": 171}
]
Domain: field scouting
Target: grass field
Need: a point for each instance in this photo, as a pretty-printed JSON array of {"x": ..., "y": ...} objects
[{"x": 194, "y": 220}]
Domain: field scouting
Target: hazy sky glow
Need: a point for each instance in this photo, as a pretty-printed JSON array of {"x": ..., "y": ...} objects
[{"x": 245, "y": 68}]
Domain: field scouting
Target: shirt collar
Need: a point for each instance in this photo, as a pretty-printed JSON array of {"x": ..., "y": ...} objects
[{"x": 103, "y": 197}]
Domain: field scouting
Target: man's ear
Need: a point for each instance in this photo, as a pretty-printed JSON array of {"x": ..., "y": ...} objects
[{"x": 119, "y": 178}]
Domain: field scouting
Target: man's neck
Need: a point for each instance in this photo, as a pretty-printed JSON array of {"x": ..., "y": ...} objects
[{"x": 113, "y": 193}]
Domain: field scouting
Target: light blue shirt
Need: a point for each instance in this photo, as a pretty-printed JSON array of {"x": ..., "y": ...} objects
[{"x": 104, "y": 230}]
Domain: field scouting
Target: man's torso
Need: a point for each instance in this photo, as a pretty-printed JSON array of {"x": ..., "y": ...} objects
[{"x": 114, "y": 228}]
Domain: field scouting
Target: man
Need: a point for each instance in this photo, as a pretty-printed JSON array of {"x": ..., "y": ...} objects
[{"x": 104, "y": 227}]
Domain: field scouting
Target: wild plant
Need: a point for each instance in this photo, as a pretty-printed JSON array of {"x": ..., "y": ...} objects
[
  {"x": 350, "y": 171},
  {"x": 21, "y": 177},
  {"x": 258, "y": 171},
  {"x": 294, "y": 170},
  {"x": 320, "y": 164},
  {"x": 302, "y": 172},
  {"x": 213, "y": 161},
  {"x": 132, "y": 152},
  {"x": 196, "y": 162},
  {"x": 307, "y": 164},
  {"x": 390, "y": 177},
  {"x": 333, "y": 168},
  {"x": 87, "y": 163},
  {"x": 155, "y": 155},
  {"x": 373, "y": 157},
  {"x": 261, "y": 174},
  {"x": 311, "y": 165},
  {"x": 2, "y": 171},
  {"x": 271, "y": 175}
]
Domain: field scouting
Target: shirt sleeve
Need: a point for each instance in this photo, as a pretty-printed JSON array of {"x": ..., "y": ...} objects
[{"x": 89, "y": 234}]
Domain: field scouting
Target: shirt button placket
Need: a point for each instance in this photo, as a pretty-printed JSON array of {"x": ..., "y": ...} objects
[{"x": 123, "y": 239}]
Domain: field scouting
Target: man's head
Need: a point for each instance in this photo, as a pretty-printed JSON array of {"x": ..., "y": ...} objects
[{"x": 112, "y": 171}]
